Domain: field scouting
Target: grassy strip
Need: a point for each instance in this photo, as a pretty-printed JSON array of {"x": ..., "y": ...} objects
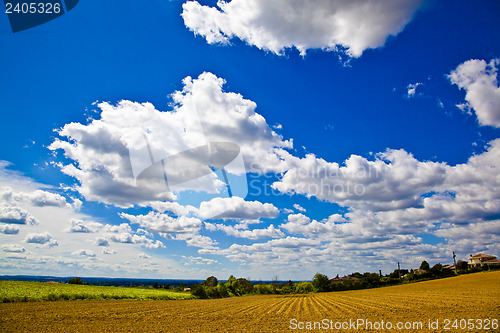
[{"x": 24, "y": 291}]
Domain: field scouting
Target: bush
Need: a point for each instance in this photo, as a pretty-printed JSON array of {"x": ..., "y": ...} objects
[
  {"x": 287, "y": 288},
  {"x": 263, "y": 289},
  {"x": 304, "y": 287}
]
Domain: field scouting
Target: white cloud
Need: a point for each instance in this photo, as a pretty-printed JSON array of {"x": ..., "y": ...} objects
[
  {"x": 195, "y": 240},
  {"x": 44, "y": 198},
  {"x": 200, "y": 260},
  {"x": 13, "y": 248},
  {"x": 121, "y": 228},
  {"x": 287, "y": 242},
  {"x": 16, "y": 215},
  {"x": 479, "y": 79},
  {"x": 136, "y": 239},
  {"x": 460, "y": 194},
  {"x": 463, "y": 209},
  {"x": 38, "y": 198},
  {"x": 243, "y": 232},
  {"x": 395, "y": 179},
  {"x": 156, "y": 222},
  {"x": 108, "y": 251},
  {"x": 299, "y": 208},
  {"x": 101, "y": 241},
  {"x": 173, "y": 207},
  {"x": 275, "y": 25},
  {"x": 82, "y": 226},
  {"x": 144, "y": 256},
  {"x": 237, "y": 208},
  {"x": 412, "y": 89},
  {"x": 41, "y": 238},
  {"x": 9, "y": 229},
  {"x": 301, "y": 224},
  {"x": 86, "y": 253},
  {"x": 202, "y": 113}
]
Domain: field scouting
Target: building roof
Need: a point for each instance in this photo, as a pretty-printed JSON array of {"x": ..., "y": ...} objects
[
  {"x": 345, "y": 278},
  {"x": 481, "y": 255},
  {"x": 492, "y": 261}
]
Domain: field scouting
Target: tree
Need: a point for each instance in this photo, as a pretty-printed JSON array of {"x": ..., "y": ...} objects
[
  {"x": 199, "y": 291},
  {"x": 221, "y": 288},
  {"x": 230, "y": 284},
  {"x": 211, "y": 281},
  {"x": 243, "y": 286},
  {"x": 321, "y": 282},
  {"x": 76, "y": 280},
  {"x": 425, "y": 266},
  {"x": 462, "y": 265},
  {"x": 436, "y": 270}
]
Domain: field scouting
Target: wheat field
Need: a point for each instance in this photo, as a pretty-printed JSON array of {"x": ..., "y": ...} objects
[{"x": 468, "y": 303}]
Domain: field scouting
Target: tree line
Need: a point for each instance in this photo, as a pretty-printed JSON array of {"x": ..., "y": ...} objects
[{"x": 212, "y": 288}]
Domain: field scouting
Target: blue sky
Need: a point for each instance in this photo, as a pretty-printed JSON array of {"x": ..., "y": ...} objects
[{"x": 367, "y": 136}]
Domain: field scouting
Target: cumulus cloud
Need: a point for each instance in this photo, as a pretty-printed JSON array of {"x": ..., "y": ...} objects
[
  {"x": 121, "y": 228},
  {"x": 395, "y": 179},
  {"x": 284, "y": 247},
  {"x": 108, "y": 251},
  {"x": 82, "y": 226},
  {"x": 38, "y": 198},
  {"x": 173, "y": 207},
  {"x": 41, "y": 238},
  {"x": 301, "y": 224},
  {"x": 479, "y": 79},
  {"x": 43, "y": 198},
  {"x": 9, "y": 229},
  {"x": 275, "y": 25},
  {"x": 13, "y": 248},
  {"x": 157, "y": 222},
  {"x": 200, "y": 260},
  {"x": 299, "y": 208},
  {"x": 237, "y": 208},
  {"x": 203, "y": 113},
  {"x": 86, "y": 253},
  {"x": 136, "y": 239},
  {"x": 101, "y": 241},
  {"x": 412, "y": 89},
  {"x": 243, "y": 232},
  {"x": 16, "y": 215},
  {"x": 463, "y": 209},
  {"x": 194, "y": 240}
]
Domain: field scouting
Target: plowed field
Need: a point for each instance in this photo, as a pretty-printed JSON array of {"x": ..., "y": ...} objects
[{"x": 475, "y": 297}]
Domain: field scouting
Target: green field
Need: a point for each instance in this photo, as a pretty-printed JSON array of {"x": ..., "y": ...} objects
[{"x": 22, "y": 291}]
